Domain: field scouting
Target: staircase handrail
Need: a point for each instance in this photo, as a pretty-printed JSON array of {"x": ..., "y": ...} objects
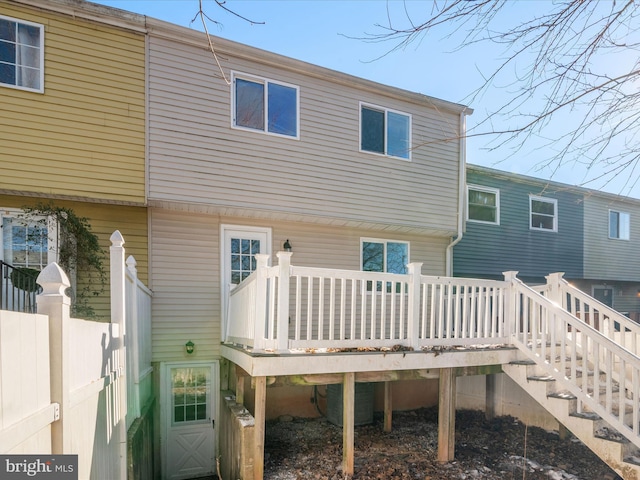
[
  {"x": 629, "y": 331},
  {"x": 565, "y": 328}
]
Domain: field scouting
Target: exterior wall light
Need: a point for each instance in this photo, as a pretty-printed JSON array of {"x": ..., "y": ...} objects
[
  {"x": 287, "y": 246},
  {"x": 189, "y": 347}
]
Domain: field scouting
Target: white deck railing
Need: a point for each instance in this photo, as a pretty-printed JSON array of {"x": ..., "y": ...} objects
[
  {"x": 603, "y": 375},
  {"x": 610, "y": 323},
  {"x": 291, "y": 307}
]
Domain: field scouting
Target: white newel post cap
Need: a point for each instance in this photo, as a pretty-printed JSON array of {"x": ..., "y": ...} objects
[{"x": 53, "y": 280}]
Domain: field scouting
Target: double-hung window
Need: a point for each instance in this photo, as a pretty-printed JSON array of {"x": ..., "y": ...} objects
[
  {"x": 27, "y": 243},
  {"x": 483, "y": 204},
  {"x": 265, "y": 105},
  {"x": 619, "y": 225},
  {"x": 385, "y": 131},
  {"x": 21, "y": 54},
  {"x": 543, "y": 213}
]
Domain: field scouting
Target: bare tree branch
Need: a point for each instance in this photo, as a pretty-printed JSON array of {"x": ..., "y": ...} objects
[{"x": 570, "y": 70}]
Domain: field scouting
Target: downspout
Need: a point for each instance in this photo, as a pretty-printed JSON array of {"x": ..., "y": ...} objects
[{"x": 461, "y": 194}]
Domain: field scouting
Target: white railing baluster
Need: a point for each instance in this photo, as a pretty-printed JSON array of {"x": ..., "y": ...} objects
[
  {"x": 321, "y": 282},
  {"x": 343, "y": 290},
  {"x": 433, "y": 319},
  {"x": 309, "y": 307},
  {"x": 298, "y": 308},
  {"x": 332, "y": 307}
]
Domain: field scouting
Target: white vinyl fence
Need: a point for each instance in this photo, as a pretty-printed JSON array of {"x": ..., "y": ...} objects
[{"x": 63, "y": 381}]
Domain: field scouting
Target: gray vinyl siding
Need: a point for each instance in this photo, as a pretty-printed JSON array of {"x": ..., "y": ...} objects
[
  {"x": 607, "y": 258},
  {"x": 488, "y": 250},
  {"x": 185, "y": 252},
  {"x": 195, "y": 156}
]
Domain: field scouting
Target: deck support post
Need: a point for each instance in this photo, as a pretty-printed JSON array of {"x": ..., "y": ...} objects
[
  {"x": 348, "y": 422},
  {"x": 490, "y": 396},
  {"x": 259, "y": 431},
  {"x": 446, "y": 415},
  {"x": 388, "y": 406}
]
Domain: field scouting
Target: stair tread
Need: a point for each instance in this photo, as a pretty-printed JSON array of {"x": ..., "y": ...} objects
[
  {"x": 632, "y": 459},
  {"x": 563, "y": 395},
  {"x": 587, "y": 415},
  {"x": 541, "y": 378}
]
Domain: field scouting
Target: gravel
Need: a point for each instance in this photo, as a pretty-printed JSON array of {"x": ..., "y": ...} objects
[{"x": 503, "y": 449}]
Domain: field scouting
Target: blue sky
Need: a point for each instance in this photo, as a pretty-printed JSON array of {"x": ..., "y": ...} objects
[{"x": 329, "y": 33}]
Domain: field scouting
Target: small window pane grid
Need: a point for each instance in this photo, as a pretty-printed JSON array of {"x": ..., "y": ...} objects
[
  {"x": 243, "y": 260},
  {"x": 266, "y": 106},
  {"x": 384, "y": 256},
  {"x": 191, "y": 392},
  {"x": 25, "y": 244},
  {"x": 543, "y": 214},
  {"x": 385, "y": 132},
  {"x": 482, "y": 205},
  {"x": 20, "y": 54},
  {"x": 619, "y": 225}
]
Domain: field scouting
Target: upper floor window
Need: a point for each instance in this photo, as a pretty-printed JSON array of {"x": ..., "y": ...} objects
[
  {"x": 543, "y": 213},
  {"x": 265, "y": 105},
  {"x": 619, "y": 225},
  {"x": 21, "y": 54},
  {"x": 483, "y": 204},
  {"x": 385, "y": 131}
]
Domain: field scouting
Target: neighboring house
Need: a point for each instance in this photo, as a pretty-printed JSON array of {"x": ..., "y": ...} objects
[
  {"x": 538, "y": 227},
  {"x": 73, "y": 134},
  {"x": 72, "y": 129}
]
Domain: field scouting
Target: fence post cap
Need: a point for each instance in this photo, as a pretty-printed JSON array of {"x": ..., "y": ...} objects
[
  {"x": 53, "y": 280},
  {"x": 117, "y": 240}
]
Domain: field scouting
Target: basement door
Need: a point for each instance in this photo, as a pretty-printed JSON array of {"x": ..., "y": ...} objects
[{"x": 189, "y": 415}]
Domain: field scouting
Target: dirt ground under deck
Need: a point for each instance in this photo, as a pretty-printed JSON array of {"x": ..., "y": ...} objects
[{"x": 501, "y": 449}]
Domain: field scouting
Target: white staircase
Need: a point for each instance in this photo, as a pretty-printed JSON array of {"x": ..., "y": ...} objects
[
  {"x": 614, "y": 449},
  {"x": 585, "y": 372}
]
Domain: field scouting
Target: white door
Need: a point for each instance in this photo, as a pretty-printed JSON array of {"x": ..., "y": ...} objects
[
  {"x": 240, "y": 245},
  {"x": 190, "y": 415}
]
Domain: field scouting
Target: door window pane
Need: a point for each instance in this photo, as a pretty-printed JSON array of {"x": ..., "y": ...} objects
[
  {"x": 191, "y": 388},
  {"x": 243, "y": 260}
]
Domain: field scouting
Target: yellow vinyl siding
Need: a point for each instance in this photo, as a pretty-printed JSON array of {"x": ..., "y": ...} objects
[
  {"x": 85, "y": 135},
  {"x": 104, "y": 220}
]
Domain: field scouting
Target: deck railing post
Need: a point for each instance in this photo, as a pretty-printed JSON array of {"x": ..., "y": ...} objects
[
  {"x": 284, "y": 262},
  {"x": 510, "y": 307},
  {"x": 556, "y": 295},
  {"x": 413, "y": 311},
  {"x": 261, "y": 306}
]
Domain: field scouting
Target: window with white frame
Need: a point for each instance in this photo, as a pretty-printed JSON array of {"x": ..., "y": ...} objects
[
  {"x": 265, "y": 105},
  {"x": 389, "y": 256},
  {"x": 28, "y": 243},
  {"x": 21, "y": 54},
  {"x": 483, "y": 204},
  {"x": 385, "y": 131},
  {"x": 619, "y": 225},
  {"x": 543, "y": 213}
]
